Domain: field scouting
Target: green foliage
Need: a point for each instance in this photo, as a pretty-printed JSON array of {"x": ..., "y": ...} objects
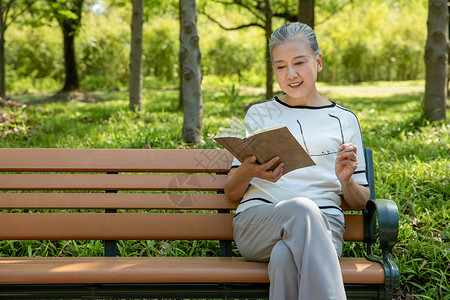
[
  {"x": 378, "y": 44},
  {"x": 104, "y": 50},
  {"x": 100, "y": 82},
  {"x": 34, "y": 52},
  {"x": 51, "y": 248},
  {"x": 360, "y": 40},
  {"x": 154, "y": 82},
  {"x": 17, "y": 84},
  {"x": 66, "y": 12},
  {"x": 232, "y": 57},
  {"x": 227, "y": 57},
  {"x": 169, "y": 248},
  {"x": 161, "y": 47}
]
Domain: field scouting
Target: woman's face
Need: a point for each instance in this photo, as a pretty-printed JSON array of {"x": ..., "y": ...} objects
[{"x": 296, "y": 69}]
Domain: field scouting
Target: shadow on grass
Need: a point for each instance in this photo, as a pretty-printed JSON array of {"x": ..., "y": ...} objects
[
  {"x": 60, "y": 97},
  {"x": 155, "y": 100}
]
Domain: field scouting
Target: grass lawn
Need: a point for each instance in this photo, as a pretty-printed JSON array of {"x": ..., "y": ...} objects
[{"x": 411, "y": 156}]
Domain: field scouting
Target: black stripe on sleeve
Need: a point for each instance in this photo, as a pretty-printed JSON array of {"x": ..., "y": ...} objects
[
  {"x": 253, "y": 199},
  {"x": 257, "y": 199},
  {"x": 331, "y": 207}
]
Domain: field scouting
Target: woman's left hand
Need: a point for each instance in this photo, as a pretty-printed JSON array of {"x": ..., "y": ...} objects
[{"x": 346, "y": 161}]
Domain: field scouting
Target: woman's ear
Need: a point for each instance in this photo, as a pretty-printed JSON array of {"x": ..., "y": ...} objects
[{"x": 319, "y": 63}]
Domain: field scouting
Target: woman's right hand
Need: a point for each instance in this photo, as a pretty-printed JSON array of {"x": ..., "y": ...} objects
[
  {"x": 239, "y": 178},
  {"x": 250, "y": 169}
]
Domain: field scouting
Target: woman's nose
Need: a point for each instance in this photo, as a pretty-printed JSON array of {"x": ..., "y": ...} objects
[{"x": 292, "y": 73}]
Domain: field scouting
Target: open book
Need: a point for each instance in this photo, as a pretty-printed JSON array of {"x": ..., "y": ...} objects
[{"x": 265, "y": 143}]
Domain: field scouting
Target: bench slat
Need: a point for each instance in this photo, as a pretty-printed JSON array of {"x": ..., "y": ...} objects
[
  {"x": 124, "y": 182},
  {"x": 117, "y": 201},
  {"x": 114, "y": 201},
  {"x": 354, "y": 228},
  {"x": 132, "y": 226},
  {"x": 115, "y": 226},
  {"x": 114, "y": 160},
  {"x": 159, "y": 270}
]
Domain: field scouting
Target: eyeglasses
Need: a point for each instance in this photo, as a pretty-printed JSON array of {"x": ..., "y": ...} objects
[{"x": 326, "y": 152}]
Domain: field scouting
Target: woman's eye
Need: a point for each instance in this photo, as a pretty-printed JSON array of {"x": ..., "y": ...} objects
[
  {"x": 299, "y": 63},
  {"x": 280, "y": 67}
]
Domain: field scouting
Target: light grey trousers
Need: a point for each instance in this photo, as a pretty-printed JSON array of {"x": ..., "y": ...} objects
[{"x": 302, "y": 245}]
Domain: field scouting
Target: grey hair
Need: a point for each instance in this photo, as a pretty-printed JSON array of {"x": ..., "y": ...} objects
[{"x": 291, "y": 31}]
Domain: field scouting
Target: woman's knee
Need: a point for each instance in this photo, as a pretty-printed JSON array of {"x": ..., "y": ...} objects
[{"x": 299, "y": 206}]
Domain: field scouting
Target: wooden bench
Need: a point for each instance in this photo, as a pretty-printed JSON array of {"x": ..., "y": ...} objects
[{"x": 115, "y": 194}]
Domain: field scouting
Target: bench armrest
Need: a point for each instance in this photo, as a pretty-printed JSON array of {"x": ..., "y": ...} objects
[
  {"x": 388, "y": 222},
  {"x": 386, "y": 212}
]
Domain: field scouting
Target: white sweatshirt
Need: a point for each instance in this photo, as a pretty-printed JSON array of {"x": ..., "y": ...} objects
[{"x": 319, "y": 130}]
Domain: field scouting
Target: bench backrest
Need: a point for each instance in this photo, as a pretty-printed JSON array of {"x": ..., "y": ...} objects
[{"x": 120, "y": 194}]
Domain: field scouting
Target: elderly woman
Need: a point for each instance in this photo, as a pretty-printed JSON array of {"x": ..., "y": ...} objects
[{"x": 294, "y": 221}]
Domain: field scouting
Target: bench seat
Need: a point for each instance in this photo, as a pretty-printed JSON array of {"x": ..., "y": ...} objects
[{"x": 73, "y": 270}]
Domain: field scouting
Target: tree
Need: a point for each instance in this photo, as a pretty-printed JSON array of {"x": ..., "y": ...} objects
[
  {"x": 135, "y": 88},
  {"x": 306, "y": 12},
  {"x": 268, "y": 32},
  {"x": 9, "y": 11},
  {"x": 68, "y": 14},
  {"x": 191, "y": 73},
  {"x": 180, "y": 65},
  {"x": 262, "y": 13},
  {"x": 142, "y": 10},
  {"x": 436, "y": 60}
]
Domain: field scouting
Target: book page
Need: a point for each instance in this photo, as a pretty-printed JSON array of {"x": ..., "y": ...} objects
[
  {"x": 236, "y": 129},
  {"x": 265, "y": 129}
]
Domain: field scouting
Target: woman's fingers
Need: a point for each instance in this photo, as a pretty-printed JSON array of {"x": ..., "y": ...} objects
[
  {"x": 267, "y": 165},
  {"x": 254, "y": 169},
  {"x": 275, "y": 174},
  {"x": 347, "y": 147}
]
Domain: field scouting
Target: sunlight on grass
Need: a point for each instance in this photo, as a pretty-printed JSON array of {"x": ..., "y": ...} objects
[{"x": 373, "y": 89}]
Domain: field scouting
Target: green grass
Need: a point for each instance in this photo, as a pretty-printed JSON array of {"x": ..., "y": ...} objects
[{"x": 411, "y": 158}]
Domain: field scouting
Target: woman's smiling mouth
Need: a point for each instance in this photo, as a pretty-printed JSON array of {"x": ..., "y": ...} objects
[{"x": 295, "y": 84}]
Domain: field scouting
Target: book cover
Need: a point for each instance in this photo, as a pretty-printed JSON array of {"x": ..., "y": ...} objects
[{"x": 265, "y": 144}]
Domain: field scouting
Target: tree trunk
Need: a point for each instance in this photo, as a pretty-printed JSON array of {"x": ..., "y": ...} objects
[
  {"x": 180, "y": 66},
  {"x": 2, "y": 65},
  {"x": 191, "y": 73},
  {"x": 10, "y": 9},
  {"x": 3, "y": 18},
  {"x": 135, "y": 89},
  {"x": 71, "y": 82},
  {"x": 269, "y": 67},
  {"x": 436, "y": 60},
  {"x": 306, "y": 12}
]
